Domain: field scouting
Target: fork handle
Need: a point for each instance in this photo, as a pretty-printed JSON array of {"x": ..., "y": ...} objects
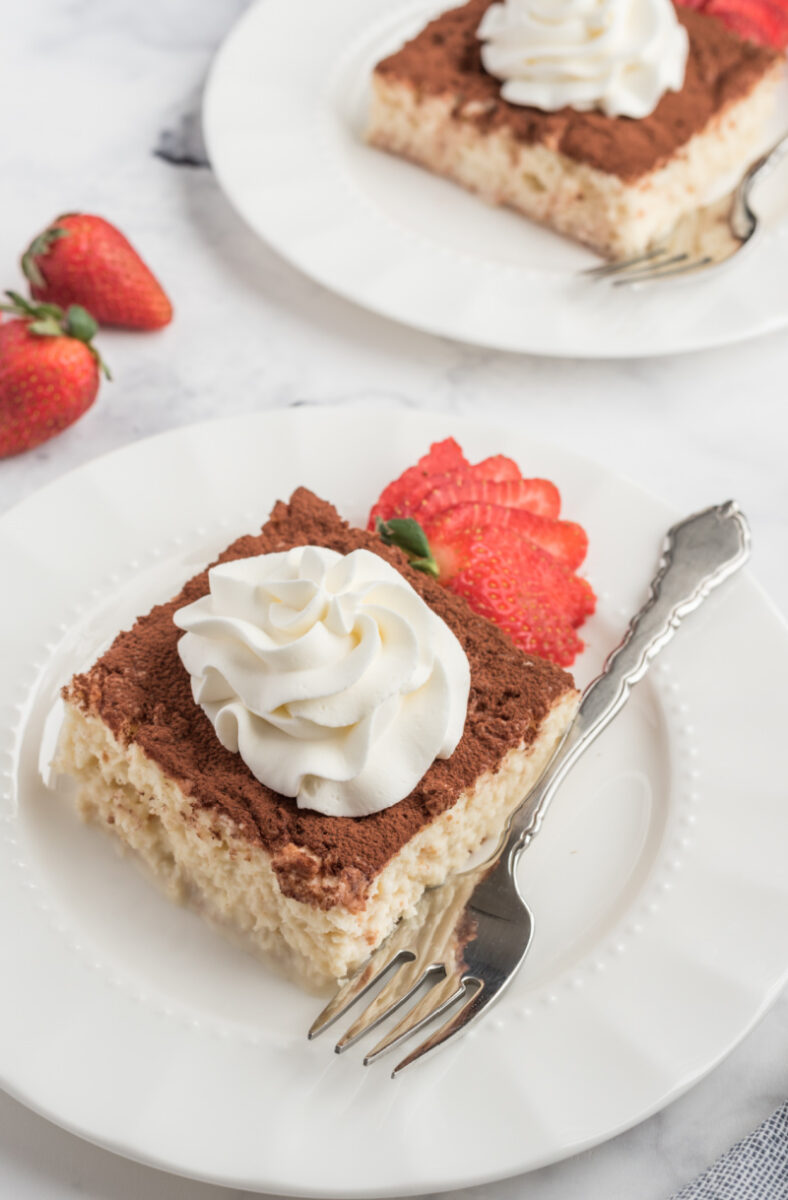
[{"x": 699, "y": 553}]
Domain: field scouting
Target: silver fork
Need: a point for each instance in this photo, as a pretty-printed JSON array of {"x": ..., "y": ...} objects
[
  {"x": 467, "y": 938},
  {"x": 704, "y": 238}
]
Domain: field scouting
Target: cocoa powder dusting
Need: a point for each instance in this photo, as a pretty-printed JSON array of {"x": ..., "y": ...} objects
[
  {"x": 141, "y": 690},
  {"x": 445, "y": 58}
]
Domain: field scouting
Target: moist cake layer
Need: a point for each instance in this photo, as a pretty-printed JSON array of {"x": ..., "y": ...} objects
[
  {"x": 445, "y": 58},
  {"x": 140, "y": 690},
  {"x": 198, "y": 856},
  {"x": 616, "y": 218}
]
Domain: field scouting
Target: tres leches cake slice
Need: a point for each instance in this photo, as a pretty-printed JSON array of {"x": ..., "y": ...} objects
[
  {"x": 606, "y": 121},
  {"x": 308, "y": 623}
]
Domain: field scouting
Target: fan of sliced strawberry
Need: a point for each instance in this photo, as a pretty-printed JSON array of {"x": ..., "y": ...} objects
[
  {"x": 763, "y": 21},
  {"x": 444, "y": 477},
  {"x": 454, "y": 529},
  {"x": 495, "y": 538},
  {"x": 404, "y": 494}
]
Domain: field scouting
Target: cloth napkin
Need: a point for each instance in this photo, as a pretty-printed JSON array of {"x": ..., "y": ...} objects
[{"x": 756, "y": 1168}]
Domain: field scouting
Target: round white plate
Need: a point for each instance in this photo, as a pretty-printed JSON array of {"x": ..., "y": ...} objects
[
  {"x": 658, "y": 883},
  {"x": 284, "y": 115}
]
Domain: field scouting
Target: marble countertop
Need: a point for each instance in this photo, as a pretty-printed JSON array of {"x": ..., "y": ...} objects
[{"x": 105, "y": 99}]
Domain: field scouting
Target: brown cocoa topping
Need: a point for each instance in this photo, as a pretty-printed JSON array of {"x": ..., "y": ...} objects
[
  {"x": 141, "y": 690},
  {"x": 445, "y": 58}
]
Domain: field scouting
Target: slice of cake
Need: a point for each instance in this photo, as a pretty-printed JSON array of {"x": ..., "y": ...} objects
[
  {"x": 613, "y": 182},
  {"x": 158, "y": 768}
]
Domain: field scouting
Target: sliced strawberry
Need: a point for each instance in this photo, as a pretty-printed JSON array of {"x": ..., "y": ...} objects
[
  {"x": 496, "y": 591},
  {"x": 443, "y": 456},
  {"x": 402, "y": 495},
  {"x": 497, "y": 469},
  {"x": 762, "y": 21},
  {"x": 536, "y": 495},
  {"x": 444, "y": 477},
  {"x": 497, "y": 541},
  {"x": 565, "y": 540},
  {"x": 545, "y": 577},
  {"x": 756, "y": 20},
  {"x": 542, "y": 575},
  {"x": 769, "y": 28}
]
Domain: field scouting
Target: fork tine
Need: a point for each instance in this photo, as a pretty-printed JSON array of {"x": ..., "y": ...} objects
[
  {"x": 473, "y": 1006},
  {"x": 613, "y": 268},
  {"x": 368, "y": 974},
  {"x": 401, "y": 987},
  {"x": 633, "y": 269},
  {"x": 656, "y": 272},
  {"x": 434, "y": 1004}
]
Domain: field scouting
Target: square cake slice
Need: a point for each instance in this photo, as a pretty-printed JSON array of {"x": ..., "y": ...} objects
[
  {"x": 615, "y": 183},
  {"x": 322, "y": 891}
]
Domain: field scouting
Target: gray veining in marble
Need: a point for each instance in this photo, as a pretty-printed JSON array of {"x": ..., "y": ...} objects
[{"x": 100, "y": 100}]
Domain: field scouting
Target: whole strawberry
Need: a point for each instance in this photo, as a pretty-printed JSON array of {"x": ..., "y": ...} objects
[
  {"x": 82, "y": 259},
  {"x": 49, "y": 372}
]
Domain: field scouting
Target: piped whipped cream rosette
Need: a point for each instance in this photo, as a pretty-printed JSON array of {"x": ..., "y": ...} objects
[
  {"x": 618, "y": 56},
  {"x": 328, "y": 674}
]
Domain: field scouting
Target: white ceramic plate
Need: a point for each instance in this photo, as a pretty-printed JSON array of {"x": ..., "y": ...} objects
[
  {"x": 284, "y": 114},
  {"x": 658, "y": 883}
]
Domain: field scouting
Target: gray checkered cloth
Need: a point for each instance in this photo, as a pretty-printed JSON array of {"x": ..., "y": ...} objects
[{"x": 756, "y": 1168}]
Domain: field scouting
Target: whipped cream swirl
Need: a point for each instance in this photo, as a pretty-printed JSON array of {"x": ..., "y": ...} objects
[
  {"x": 328, "y": 674},
  {"x": 619, "y": 56}
]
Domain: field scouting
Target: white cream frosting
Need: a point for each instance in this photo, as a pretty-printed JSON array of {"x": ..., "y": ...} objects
[
  {"x": 619, "y": 56},
  {"x": 328, "y": 674}
]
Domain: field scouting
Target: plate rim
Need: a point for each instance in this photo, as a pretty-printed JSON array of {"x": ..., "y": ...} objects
[
  {"x": 596, "y": 349},
  {"x": 454, "y": 423}
]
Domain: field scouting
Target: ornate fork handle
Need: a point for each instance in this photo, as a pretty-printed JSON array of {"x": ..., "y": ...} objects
[
  {"x": 699, "y": 554},
  {"x": 468, "y": 938}
]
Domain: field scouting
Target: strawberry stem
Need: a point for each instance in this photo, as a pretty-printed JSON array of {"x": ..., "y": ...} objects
[
  {"x": 40, "y": 246},
  {"x": 49, "y": 320},
  {"x": 19, "y": 307},
  {"x": 80, "y": 324},
  {"x": 409, "y": 536}
]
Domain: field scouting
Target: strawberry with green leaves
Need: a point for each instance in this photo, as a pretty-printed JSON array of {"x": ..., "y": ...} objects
[
  {"x": 83, "y": 259},
  {"x": 495, "y": 538},
  {"x": 49, "y": 371},
  {"x": 524, "y": 590}
]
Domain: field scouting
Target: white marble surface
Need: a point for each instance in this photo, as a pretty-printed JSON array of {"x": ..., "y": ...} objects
[{"x": 91, "y": 89}]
